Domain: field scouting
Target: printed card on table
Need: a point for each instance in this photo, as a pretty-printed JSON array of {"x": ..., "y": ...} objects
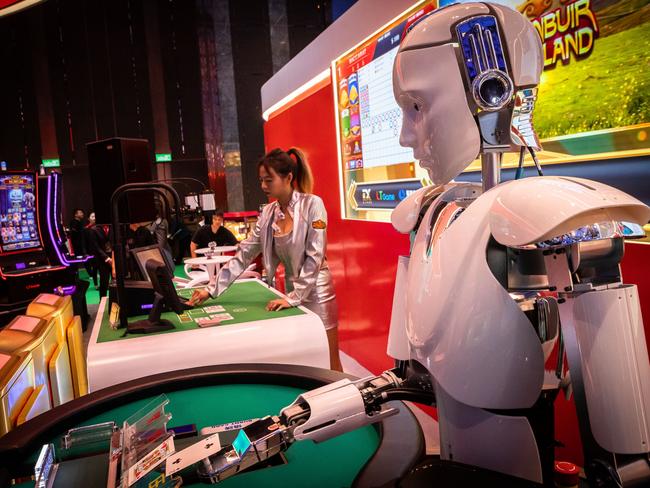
[
  {"x": 151, "y": 460},
  {"x": 192, "y": 454}
]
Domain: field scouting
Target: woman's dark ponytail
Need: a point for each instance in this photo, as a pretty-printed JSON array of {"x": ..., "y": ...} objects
[{"x": 304, "y": 177}]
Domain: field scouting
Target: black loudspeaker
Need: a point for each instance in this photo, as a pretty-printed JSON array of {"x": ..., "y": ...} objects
[{"x": 115, "y": 162}]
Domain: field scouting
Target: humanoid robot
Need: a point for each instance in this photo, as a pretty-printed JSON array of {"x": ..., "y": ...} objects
[{"x": 499, "y": 275}]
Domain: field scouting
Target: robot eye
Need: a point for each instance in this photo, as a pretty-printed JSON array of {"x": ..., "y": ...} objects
[{"x": 493, "y": 91}]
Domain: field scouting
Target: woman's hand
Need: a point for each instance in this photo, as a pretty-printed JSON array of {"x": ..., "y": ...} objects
[
  {"x": 198, "y": 297},
  {"x": 278, "y": 304}
]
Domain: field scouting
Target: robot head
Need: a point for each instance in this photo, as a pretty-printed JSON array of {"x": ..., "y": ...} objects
[{"x": 465, "y": 77}]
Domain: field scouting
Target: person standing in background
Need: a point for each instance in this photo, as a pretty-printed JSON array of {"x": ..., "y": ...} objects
[
  {"x": 100, "y": 247},
  {"x": 216, "y": 232},
  {"x": 76, "y": 233},
  {"x": 90, "y": 264},
  {"x": 159, "y": 228}
]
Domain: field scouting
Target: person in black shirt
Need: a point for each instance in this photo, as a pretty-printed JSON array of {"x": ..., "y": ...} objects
[
  {"x": 100, "y": 246},
  {"x": 212, "y": 233},
  {"x": 77, "y": 233},
  {"x": 87, "y": 231}
]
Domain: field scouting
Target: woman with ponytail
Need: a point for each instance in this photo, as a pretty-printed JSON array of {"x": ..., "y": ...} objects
[{"x": 292, "y": 231}]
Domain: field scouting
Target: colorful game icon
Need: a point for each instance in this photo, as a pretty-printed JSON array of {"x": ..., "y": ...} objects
[
  {"x": 345, "y": 122},
  {"x": 353, "y": 89},
  {"x": 355, "y": 120},
  {"x": 343, "y": 93}
]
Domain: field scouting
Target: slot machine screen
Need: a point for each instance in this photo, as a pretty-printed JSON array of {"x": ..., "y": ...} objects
[{"x": 18, "y": 213}]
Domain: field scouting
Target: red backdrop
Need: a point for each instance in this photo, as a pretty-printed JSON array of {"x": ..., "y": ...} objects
[{"x": 363, "y": 255}]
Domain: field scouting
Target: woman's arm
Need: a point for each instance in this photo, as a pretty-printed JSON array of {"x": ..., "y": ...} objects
[
  {"x": 315, "y": 245},
  {"x": 248, "y": 250}
]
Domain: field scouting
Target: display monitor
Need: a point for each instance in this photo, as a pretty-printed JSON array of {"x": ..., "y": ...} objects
[
  {"x": 593, "y": 99},
  {"x": 377, "y": 173},
  {"x": 143, "y": 254},
  {"x": 19, "y": 230},
  {"x": 164, "y": 294}
]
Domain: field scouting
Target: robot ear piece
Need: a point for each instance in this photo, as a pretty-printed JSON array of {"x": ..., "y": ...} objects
[
  {"x": 492, "y": 90},
  {"x": 484, "y": 60}
]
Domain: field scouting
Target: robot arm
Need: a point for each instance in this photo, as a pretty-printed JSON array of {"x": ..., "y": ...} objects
[
  {"x": 602, "y": 329},
  {"x": 318, "y": 415}
]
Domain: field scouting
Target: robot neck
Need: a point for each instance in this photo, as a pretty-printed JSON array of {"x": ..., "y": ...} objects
[{"x": 490, "y": 169}]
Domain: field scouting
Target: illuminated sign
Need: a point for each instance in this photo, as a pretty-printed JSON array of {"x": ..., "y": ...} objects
[
  {"x": 385, "y": 195},
  {"x": 51, "y": 163},
  {"x": 163, "y": 157},
  {"x": 568, "y": 31}
]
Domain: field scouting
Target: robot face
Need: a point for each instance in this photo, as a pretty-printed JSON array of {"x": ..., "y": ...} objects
[
  {"x": 437, "y": 122},
  {"x": 463, "y": 74}
]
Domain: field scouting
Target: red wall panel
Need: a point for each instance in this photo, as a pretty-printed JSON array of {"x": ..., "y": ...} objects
[
  {"x": 363, "y": 255},
  {"x": 7, "y": 3}
]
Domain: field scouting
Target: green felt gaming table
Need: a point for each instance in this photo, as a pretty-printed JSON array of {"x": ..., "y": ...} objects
[
  {"x": 254, "y": 335},
  {"x": 245, "y": 301},
  {"x": 369, "y": 456}
]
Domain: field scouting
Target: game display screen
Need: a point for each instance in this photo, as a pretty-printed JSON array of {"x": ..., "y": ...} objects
[
  {"x": 593, "y": 100},
  {"x": 18, "y": 213},
  {"x": 594, "y": 94},
  {"x": 377, "y": 173}
]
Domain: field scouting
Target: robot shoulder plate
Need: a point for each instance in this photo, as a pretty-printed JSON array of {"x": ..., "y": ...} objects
[
  {"x": 406, "y": 215},
  {"x": 536, "y": 209}
]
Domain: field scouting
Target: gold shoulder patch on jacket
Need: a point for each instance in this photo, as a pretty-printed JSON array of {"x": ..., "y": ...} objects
[{"x": 319, "y": 224}]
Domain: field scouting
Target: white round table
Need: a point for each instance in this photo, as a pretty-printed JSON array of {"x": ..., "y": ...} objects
[
  {"x": 212, "y": 265},
  {"x": 218, "y": 249}
]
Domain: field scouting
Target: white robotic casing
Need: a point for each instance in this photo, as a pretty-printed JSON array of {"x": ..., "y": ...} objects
[
  {"x": 607, "y": 329},
  {"x": 459, "y": 314},
  {"x": 537, "y": 209}
]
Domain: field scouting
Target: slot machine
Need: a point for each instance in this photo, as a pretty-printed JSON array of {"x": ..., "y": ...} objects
[
  {"x": 25, "y": 267},
  {"x": 51, "y": 217}
]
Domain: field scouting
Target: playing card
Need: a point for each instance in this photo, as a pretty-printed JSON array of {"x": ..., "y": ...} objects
[
  {"x": 150, "y": 461},
  {"x": 222, "y": 316},
  {"x": 192, "y": 454},
  {"x": 184, "y": 318},
  {"x": 214, "y": 309},
  {"x": 207, "y": 321}
]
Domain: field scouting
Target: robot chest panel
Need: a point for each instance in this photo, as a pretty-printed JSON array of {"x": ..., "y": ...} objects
[
  {"x": 442, "y": 265},
  {"x": 459, "y": 314},
  {"x": 443, "y": 218}
]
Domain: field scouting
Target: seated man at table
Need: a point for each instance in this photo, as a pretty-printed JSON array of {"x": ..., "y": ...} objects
[{"x": 216, "y": 232}]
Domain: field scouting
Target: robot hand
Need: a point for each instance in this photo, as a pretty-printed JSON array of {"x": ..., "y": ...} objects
[
  {"x": 315, "y": 415},
  {"x": 254, "y": 444}
]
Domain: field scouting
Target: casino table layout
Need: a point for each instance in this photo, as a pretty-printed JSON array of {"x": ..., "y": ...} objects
[
  {"x": 245, "y": 301},
  {"x": 254, "y": 335},
  {"x": 369, "y": 456}
]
